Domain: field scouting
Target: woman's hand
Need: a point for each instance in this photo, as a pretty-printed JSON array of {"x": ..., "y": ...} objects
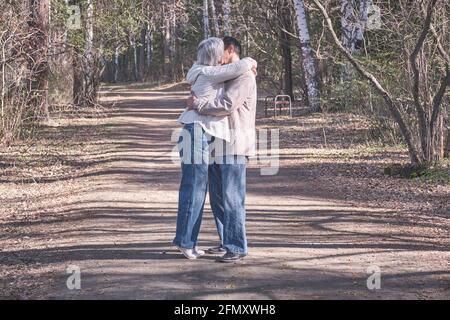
[{"x": 254, "y": 65}]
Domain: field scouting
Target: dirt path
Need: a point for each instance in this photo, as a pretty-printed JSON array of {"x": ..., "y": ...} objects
[{"x": 117, "y": 224}]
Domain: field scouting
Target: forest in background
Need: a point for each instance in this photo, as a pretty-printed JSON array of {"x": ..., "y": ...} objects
[{"x": 387, "y": 60}]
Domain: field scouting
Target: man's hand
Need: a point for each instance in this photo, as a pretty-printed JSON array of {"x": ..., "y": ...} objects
[{"x": 191, "y": 101}]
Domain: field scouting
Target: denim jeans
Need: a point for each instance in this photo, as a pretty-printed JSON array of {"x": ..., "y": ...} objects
[
  {"x": 193, "y": 146},
  {"x": 226, "y": 180},
  {"x": 227, "y": 189}
]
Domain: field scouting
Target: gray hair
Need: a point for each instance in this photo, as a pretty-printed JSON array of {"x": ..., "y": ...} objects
[{"x": 210, "y": 52}]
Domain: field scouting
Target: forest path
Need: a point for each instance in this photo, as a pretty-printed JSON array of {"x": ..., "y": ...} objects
[{"x": 119, "y": 226}]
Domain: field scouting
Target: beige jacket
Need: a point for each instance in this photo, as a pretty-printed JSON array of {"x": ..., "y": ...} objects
[{"x": 238, "y": 101}]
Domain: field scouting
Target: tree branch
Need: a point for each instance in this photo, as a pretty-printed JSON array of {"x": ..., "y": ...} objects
[
  {"x": 437, "y": 100},
  {"x": 423, "y": 123},
  {"x": 375, "y": 83}
]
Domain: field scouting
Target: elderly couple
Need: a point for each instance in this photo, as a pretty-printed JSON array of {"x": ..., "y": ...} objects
[{"x": 217, "y": 138}]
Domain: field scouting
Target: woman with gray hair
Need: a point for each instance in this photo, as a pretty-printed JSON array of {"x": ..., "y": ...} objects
[{"x": 206, "y": 77}]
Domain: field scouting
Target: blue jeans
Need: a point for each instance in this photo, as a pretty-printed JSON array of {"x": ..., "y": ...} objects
[{"x": 226, "y": 179}]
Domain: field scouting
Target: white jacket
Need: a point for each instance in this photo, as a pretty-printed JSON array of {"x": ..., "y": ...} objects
[{"x": 207, "y": 84}]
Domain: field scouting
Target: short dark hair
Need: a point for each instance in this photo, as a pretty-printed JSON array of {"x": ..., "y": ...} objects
[{"x": 230, "y": 41}]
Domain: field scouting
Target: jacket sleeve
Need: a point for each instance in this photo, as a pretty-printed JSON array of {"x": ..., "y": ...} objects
[
  {"x": 227, "y": 72},
  {"x": 236, "y": 93}
]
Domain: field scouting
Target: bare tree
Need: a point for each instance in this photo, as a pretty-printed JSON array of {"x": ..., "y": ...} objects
[
  {"x": 428, "y": 110},
  {"x": 309, "y": 64}
]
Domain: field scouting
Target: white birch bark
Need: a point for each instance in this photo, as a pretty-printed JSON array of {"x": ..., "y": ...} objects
[
  {"x": 173, "y": 40},
  {"x": 349, "y": 24},
  {"x": 214, "y": 17},
  {"x": 116, "y": 64},
  {"x": 364, "y": 7},
  {"x": 167, "y": 42},
  {"x": 205, "y": 19},
  {"x": 226, "y": 17},
  {"x": 353, "y": 24},
  {"x": 349, "y": 31},
  {"x": 135, "y": 56},
  {"x": 309, "y": 65},
  {"x": 89, "y": 33},
  {"x": 89, "y": 55},
  {"x": 149, "y": 46}
]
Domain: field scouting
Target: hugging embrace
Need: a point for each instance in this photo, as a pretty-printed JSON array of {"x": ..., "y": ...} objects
[{"x": 217, "y": 138}]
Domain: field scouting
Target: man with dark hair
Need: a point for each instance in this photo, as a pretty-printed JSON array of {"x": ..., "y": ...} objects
[
  {"x": 233, "y": 44},
  {"x": 228, "y": 172}
]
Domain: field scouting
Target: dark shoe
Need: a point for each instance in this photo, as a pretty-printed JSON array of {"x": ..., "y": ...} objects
[
  {"x": 231, "y": 257},
  {"x": 216, "y": 250}
]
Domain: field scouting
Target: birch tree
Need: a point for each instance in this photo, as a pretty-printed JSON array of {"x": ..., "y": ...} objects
[
  {"x": 205, "y": 19},
  {"x": 349, "y": 24},
  {"x": 353, "y": 23},
  {"x": 226, "y": 17},
  {"x": 309, "y": 64},
  {"x": 167, "y": 41},
  {"x": 149, "y": 42},
  {"x": 116, "y": 63},
  {"x": 425, "y": 144},
  {"x": 364, "y": 8},
  {"x": 86, "y": 80},
  {"x": 215, "y": 20}
]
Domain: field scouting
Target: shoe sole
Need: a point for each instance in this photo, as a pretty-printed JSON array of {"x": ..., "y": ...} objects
[
  {"x": 230, "y": 261},
  {"x": 215, "y": 252}
]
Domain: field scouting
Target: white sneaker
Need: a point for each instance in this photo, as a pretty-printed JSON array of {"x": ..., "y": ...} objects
[
  {"x": 199, "y": 252},
  {"x": 188, "y": 253}
]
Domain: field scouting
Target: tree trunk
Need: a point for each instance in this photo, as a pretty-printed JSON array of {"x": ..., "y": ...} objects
[
  {"x": 116, "y": 64},
  {"x": 41, "y": 15},
  {"x": 60, "y": 65},
  {"x": 149, "y": 49},
  {"x": 309, "y": 65},
  {"x": 285, "y": 43},
  {"x": 364, "y": 8},
  {"x": 447, "y": 145},
  {"x": 349, "y": 30},
  {"x": 167, "y": 43},
  {"x": 141, "y": 64},
  {"x": 215, "y": 20},
  {"x": 89, "y": 60},
  {"x": 85, "y": 73},
  {"x": 205, "y": 19},
  {"x": 173, "y": 41},
  {"x": 349, "y": 24},
  {"x": 135, "y": 57},
  {"x": 226, "y": 17}
]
